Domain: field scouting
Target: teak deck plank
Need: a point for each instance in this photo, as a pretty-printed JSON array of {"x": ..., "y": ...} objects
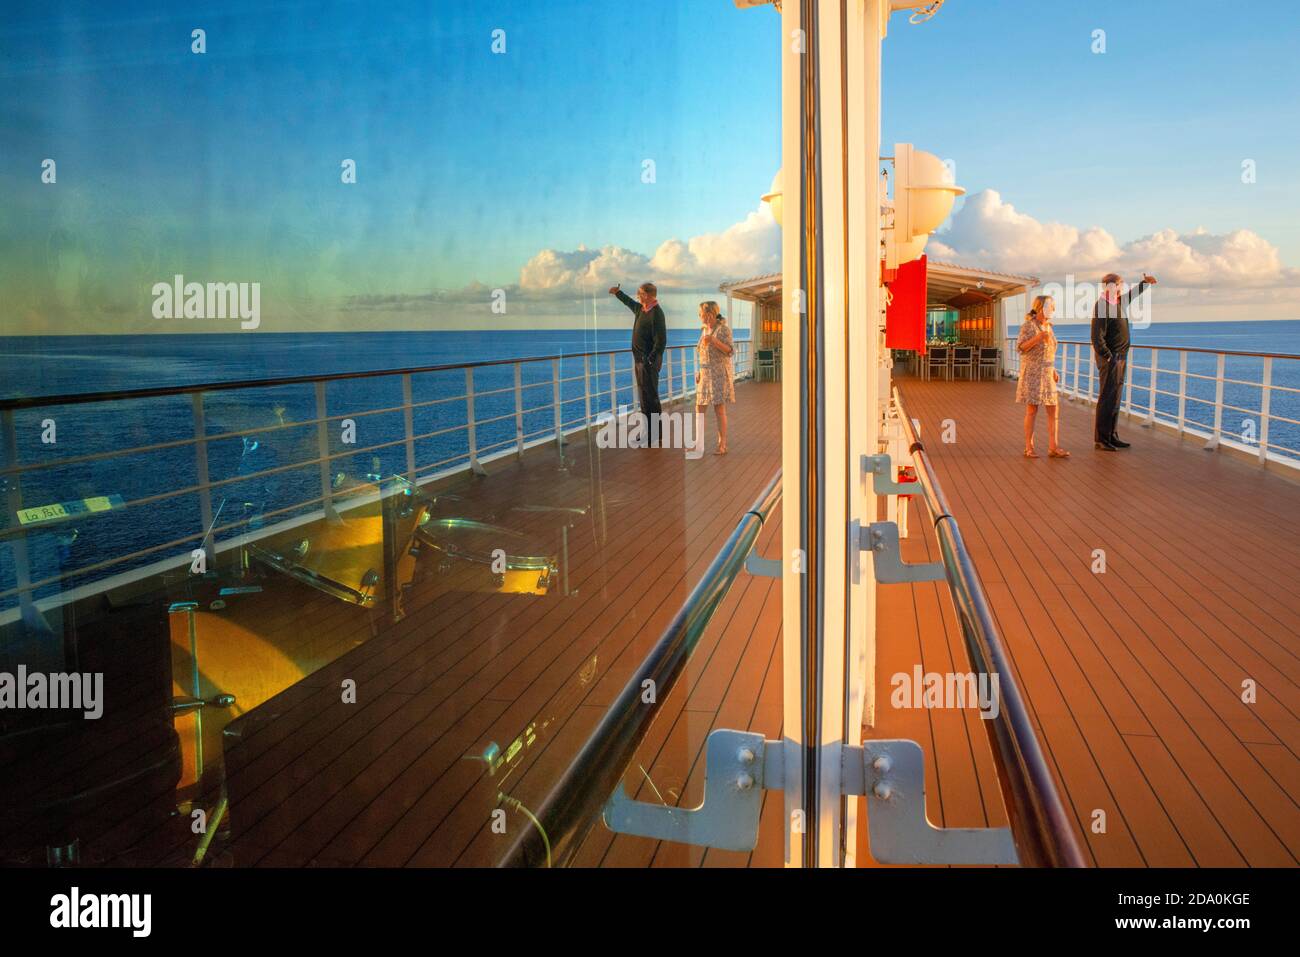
[
  {"x": 1133, "y": 678},
  {"x": 389, "y": 784},
  {"x": 1142, "y": 666}
]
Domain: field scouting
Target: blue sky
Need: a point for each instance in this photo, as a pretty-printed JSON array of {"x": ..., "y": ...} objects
[
  {"x": 1150, "y": 134},
  {"x": 525, "y": 169}
]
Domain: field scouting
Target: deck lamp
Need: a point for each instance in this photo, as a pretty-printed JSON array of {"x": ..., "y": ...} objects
[
  {"x": 773, "y": 197},
  {"x": 923, "y": 197}
]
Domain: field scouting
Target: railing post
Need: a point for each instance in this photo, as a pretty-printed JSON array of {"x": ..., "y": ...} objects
[
  {"x": 203, "y": 479},
  {"x": 586, "y": 389},
  {"x": 1182, "y": 390},
  {"x": 613, "y": 387},
  {"x": 1155, "y": 382},
  {"x": 1127, "y": 404},
  {"x": 408, "y": 421},
  {"x": 323, "y": 451},
  {"x": 22, "y": 569},
  {"x": 1077, "y": 360},
  {"x": 668, "y": 361},
  {"x": 1218, "y": 403},
  {"x": 471, "y": 416},
  {"x": 519, "y": 410},
  {"x": 1265, "y": 394},
  {"x": 555, "y": 401}
]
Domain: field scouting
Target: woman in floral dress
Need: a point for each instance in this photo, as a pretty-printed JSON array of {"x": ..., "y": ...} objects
[
  {"x": 1038, "y": 375},
  {"x": 714, "y": 384}
]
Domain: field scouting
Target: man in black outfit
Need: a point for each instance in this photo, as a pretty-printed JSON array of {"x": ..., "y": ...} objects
[
  {"x": 649, "y": 339},
  {"x": 1110, "y": 344}
]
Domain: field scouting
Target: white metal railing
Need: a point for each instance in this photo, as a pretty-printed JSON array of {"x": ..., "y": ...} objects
[
  {"x": 573, "y": 404},
  {"x": 1167, "y": 394}
]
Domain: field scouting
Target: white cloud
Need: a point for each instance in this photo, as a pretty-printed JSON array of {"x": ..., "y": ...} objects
[
  {"x": 989, "y": 232},
  {"x": 747, "y": 248}
]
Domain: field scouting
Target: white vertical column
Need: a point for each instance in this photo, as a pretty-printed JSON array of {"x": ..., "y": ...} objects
[
  {"x": 830, "y": 394},
  {"x": 792, "y": 477},
  {"x": 829, "y": 456},
  {"x": 864, "y": 29}
]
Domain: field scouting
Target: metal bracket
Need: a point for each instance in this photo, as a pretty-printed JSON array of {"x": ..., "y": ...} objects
[
  {"x": 882, "y": 539},
  {"x": 900, "y": 830},
  {"x": 739, "y": 765},
  {"x": 881, "y": 470},
  {"x": 733, "y": 798},
  {"x": 763, "y": 567}
]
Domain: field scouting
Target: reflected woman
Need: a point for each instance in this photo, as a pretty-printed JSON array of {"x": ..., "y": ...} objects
[
  {"x": 714, "y": 383},
  {"x": 1038, "y": 375}
]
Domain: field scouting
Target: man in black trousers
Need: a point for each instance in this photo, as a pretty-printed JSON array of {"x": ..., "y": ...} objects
[
  {"x": 1110, "y": 344},
  {"x": 649, "y": 339}
]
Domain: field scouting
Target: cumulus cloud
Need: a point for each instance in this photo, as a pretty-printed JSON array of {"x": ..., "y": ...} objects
[
  {"x": 747, "y": 248},
  {"x": 989, "y": 232},
  {"x": 553, "y": 278}
]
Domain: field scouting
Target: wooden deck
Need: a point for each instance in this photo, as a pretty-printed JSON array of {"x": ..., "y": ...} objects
[
  {"x": 1134, "y": 675},
  {"x": 397, "y": 778}
]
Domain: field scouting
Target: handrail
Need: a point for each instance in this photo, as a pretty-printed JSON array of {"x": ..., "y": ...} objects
[
  {"x": 1043, "y": 833},
  {"x": 575, "y": 802},
  {"x": 81, "y": 398},
  {"x": 1212, "y": 352},
  {"x": 678, "y": 386}
]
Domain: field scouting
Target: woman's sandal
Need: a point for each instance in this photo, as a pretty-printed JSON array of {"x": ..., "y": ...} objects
[
  {"x": 1058, "y": 454},
  {"x": 1030, "y": 454}
]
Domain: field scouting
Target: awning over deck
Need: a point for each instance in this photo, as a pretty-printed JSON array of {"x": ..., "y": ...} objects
[
  {"x": 973, "y": 291},
  {"x": 956, "y": 287}
]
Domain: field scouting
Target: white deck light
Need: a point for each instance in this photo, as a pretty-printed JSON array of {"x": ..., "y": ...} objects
[{"x": 773, "y": 197}]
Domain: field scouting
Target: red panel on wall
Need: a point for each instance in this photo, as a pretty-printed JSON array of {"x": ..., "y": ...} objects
[{"x": 905, "y": 315}]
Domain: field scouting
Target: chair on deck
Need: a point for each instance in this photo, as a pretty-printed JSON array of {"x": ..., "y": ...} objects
[
  {"x": 765, "y": 366},
  {"x": 963, "y": 359},
  {"x": 990, "y": 361},
  {"x": 938, "y": 360}
]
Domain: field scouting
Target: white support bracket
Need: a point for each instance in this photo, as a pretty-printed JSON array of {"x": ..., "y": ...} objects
[
  {"x": 881, "y": 538},
  {"x": 740, "y": 765},
  {"x": 763, "y": 567},
  {"x": 883, "y": 482},
  {"x": 900, "y": 830},
  {"x": 737, "y": 766}
]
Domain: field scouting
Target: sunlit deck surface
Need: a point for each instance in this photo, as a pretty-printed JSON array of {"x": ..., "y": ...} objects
[
  {"x": 396, "y": 778},
  {"x": 1134, "y": 676}
]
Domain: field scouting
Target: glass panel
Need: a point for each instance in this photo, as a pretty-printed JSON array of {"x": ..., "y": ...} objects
[{"x": 337, "y": 585}]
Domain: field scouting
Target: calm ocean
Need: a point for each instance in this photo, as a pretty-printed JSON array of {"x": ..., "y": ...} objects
[
  {"x": 157, "y": 529},
  {"x": 32, "y": 366}
]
